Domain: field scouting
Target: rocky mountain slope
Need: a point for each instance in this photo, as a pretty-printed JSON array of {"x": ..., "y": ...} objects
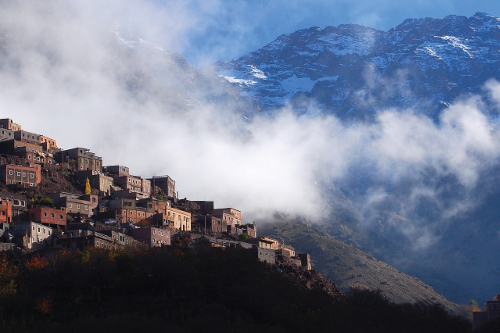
[
  {"x": 349, "y": 267},
  {"x": 352, "y": 71}
]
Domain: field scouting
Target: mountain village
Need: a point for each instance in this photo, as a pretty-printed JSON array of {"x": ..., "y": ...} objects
[{"x": 106, "y": 206}]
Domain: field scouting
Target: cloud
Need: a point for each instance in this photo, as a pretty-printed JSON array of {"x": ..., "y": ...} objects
[{"x": 65, "y": 76}]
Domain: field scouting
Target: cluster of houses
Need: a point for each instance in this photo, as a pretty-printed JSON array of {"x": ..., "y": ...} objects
[{"x": 118, "y": 209}]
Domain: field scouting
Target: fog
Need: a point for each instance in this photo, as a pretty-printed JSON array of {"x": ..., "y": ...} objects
[{"x": 62, "y": 75}]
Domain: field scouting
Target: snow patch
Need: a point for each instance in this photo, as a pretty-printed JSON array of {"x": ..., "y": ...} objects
[{"x": 295, "y": 84}]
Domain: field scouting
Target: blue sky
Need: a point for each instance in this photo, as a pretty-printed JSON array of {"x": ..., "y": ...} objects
[{"x": 205, "y": 31}]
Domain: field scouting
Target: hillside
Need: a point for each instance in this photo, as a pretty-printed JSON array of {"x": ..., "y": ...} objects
[
  {"x": 180, "y": 289},
  {"x": 349, "y": 267}
]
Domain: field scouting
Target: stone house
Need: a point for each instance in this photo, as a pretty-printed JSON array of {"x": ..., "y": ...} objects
[
  {"x": 83, "y": 159},
  {"x": 33, "y": 235}
]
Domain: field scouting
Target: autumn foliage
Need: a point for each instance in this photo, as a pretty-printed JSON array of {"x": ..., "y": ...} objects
[{"x": 185, "y": 289}]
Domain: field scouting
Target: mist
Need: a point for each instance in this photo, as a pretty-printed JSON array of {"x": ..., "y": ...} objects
[{"x": 65, "y": 76}]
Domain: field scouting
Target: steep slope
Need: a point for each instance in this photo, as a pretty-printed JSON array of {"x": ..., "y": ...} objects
[
  {"x": 349, "y": 267},
  {"x": 352, "y": 71}
]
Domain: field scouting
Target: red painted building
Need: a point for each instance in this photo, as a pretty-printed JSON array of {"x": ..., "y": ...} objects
[
  {"x": 46, "y": 215},
  {"x": 5, "y": 211}
]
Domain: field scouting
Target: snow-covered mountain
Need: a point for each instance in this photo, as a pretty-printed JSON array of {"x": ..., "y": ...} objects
[{"x": 423, "y": 64}]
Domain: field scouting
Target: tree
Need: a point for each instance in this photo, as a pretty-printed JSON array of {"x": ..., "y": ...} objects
[{"x": 88, "y": 190}]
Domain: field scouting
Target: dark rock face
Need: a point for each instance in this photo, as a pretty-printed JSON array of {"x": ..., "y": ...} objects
[{"x": 352, "y": 71}]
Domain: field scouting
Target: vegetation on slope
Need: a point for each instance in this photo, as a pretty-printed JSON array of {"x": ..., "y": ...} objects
[{"x": 181, "y": 289}]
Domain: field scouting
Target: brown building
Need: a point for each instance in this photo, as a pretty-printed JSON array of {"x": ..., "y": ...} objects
[
  {"x": 152, "y": 236},
  {"x": 97, "y": 180},
  {"x": 9, "y": 124},
  {"x": 75, "y": 204},
  {"x": 211, "y": 224},
  {"x": 36, "y": 155},
  {"x": 49, "y": 216},
  {"x": 83, "y": 158},
  {"x": 225, "y": 215},
  {"x": 21, "y": 175},
  {"x": 118, "y": 170},
  {"x": 134, "y": 184},
  {"x": 124, "y": 211},
  {"x": 166, "y": 184}
]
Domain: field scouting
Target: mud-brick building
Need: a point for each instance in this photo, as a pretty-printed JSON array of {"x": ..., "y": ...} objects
[
  {"x": 29, "y": 137},
  {"x": 19, "y": 206},
  {"x": 48, "y": 216},
  {"x": 178, "y": 219},
  {"x": 134, "y": 184},
  {"x": 165, "y": 183},
  {"x": 211, "y": 224},
  {"x": 83, "y": 159},
  {"x": 9, "y": 124},
  {"x": 118, "y": 170},
  {"x": 5, "y": 211},
  {"x": 6, "y": 134},
  {"x": 11, "y": 174},
  {"x": 97, "y": 180},
  {"x": 152, "y": 236},
  {"x": 33, "y": 235},
  {"x": 227, "y": 217},
  {"x": 75, "y": 204}
]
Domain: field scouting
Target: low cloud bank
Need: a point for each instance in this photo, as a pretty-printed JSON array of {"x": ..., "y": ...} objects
[{"x": 61, "y": 76}]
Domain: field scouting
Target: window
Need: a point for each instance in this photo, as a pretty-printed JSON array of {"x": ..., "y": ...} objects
[
  {"x": 53, "y": 215},
  {"x": 86, "y": 207},
  {"x": 32, "y": 175},
  {"x": 70, "y": 205},
  {"x": 49, "y": 232},
  {"x": 18, "y": 174},
  {"x": 154, "y": 231},
  {"x": 11, "y": 172},
  {"x": 61, "y": 216},
  {"x": 78, "y": 206},
  {"x": 44, "y": 231},
  {"x": 38, "y": 229},
  {"x": 33, "y": 226},
  {"x": 45, "y": 214}
]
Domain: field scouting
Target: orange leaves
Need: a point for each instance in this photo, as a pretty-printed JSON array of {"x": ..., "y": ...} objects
[{"x": 36, "y": 263}]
